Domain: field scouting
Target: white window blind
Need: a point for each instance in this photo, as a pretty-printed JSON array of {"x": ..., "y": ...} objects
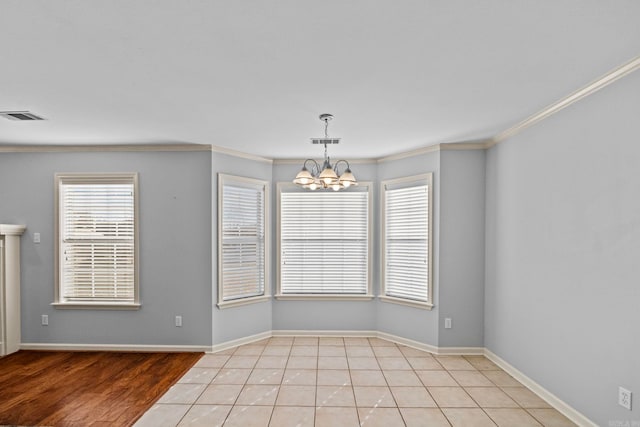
[
  {"x": 242, "y": 231},
  {"x": 97, "y": 239},
  {"x": 324, "y": 243},
  {"x": 406, "y": 242}
]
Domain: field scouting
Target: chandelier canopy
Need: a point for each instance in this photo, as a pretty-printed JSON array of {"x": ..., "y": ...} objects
[{"x": 312, "y": 177}]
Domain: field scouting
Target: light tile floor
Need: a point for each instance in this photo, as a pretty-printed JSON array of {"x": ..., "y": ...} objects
[{"x": 332, "y": 381}]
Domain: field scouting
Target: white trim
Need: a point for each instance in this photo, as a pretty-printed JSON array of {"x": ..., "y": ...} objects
[
  {"x": 324, "y": 333},
  {"x": 114, "y": 347},
  {"x": 408, "y": 342},
  {"x": 471, "y": 145},
  {"x": 88, "y": 305},
  {"x": 405, "y": 301},
  {"x": 240, "y": 341},
  {"x": 445, "y": 146},
  {"x": 235, "y": 153},
  {"x": 101, "y": 148},
  {"x": 12, "y": 229},
  {"x": 242, "y": 301},
  {"x": 300, "y": 161},
  {"x": 418, "y": 151},
  {"x": 543, "y": 393},
  {"x": 439, "y": 351},
  {"x": 594, "y": 86},
  {"x": 448, "y": 146},
  {"x": 460, "y": 351},
  {"x": 324, "y": 297}
]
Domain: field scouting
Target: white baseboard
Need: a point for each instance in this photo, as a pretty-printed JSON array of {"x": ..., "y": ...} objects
[
  {"x": 542, "y": 392},
  {"x": 408, "y": 342},
  {"x": 441, "y": 351},
  {"x": 115, "y": 347},
  {"x": 324, "y": 333},
  {"x": 240, "y": 341},
  {"x": 460, "y": 351}
]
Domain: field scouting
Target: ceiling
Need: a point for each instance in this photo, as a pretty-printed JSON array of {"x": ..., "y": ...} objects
[{"x": 253, "y": 76}]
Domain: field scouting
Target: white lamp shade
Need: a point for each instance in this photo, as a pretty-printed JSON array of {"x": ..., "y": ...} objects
[
  {"x": 347, "y": 179},
  {"x": 304, "y": 177},
  {"x": 328, "y": 176}
]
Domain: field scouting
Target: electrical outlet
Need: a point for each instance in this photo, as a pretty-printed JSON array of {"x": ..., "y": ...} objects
[
  {"x": 624, "y": 398},
  {"x": 36, "y": 237},
  {"x": 447, "y": 323},
  {"x": 45, "y": 319},
  {"x": 178, "y": 321}
]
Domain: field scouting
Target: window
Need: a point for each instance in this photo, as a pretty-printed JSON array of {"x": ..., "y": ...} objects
[
  {"x": 97, "y": 240},
  {"x": 406, "y": 240},
  {"x": 324, "y": 243},
  {"x": 242, "y": 240}
]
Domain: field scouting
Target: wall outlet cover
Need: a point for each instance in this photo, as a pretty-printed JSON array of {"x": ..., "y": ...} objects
[{"x": 624, "y": 398}]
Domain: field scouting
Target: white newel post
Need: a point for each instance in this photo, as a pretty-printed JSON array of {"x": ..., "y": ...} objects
[{"x": 10, "y": 287}]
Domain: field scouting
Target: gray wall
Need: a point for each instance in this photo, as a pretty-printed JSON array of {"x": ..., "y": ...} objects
[
  {"x": 175, "y": 250},
  {"x": 461, "y": 249},
  {"x": 242, "y": 321},
  {"x": 562, "y": 250}
]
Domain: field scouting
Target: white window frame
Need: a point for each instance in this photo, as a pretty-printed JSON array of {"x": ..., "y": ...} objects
[
  {"x": 224, "y": 179},
  {"x": 398, "y": 183},
  {"x": 61, "y": 179},
  {"x": 289, "y": 187}
]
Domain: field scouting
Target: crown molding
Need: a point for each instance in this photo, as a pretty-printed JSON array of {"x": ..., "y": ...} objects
[
  {"x": 412, "y": 153},
  {"x": 472, "y": 145},
  {"x": 101, "y": 148},
  {"x": 600, "y": 83},
  {"x": 240, "y": 154},
  {"x": 299, "y": 161},
  {"x": 445, "y": 146}
]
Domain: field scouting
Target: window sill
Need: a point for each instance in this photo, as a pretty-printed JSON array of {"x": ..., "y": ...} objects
[
  {"x": 242, "y": 301},
  {"x": 323, "y": 297},
  {"x": 402, "y": 301},
  {"x": 96, "y": 306}
]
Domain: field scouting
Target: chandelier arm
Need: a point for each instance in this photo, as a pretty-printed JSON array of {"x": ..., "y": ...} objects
[
  {"x": 315, "y": 165},
  {"x": 335, "y": 166}
]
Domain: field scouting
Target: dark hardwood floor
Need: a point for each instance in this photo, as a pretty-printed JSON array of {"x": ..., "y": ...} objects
[{"x": 39, "y": 388}]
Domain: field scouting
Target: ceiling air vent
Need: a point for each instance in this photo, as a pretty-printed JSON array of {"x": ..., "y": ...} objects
[
  {"x": 325, "y": 140},
  {"x": 19, "y": 115}
]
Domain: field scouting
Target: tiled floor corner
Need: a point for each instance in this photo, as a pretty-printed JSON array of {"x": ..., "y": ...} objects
[{"x": 334, "y": 381}]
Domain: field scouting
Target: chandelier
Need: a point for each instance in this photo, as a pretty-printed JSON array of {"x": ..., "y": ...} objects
[{"x": 312, "y": 177}]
